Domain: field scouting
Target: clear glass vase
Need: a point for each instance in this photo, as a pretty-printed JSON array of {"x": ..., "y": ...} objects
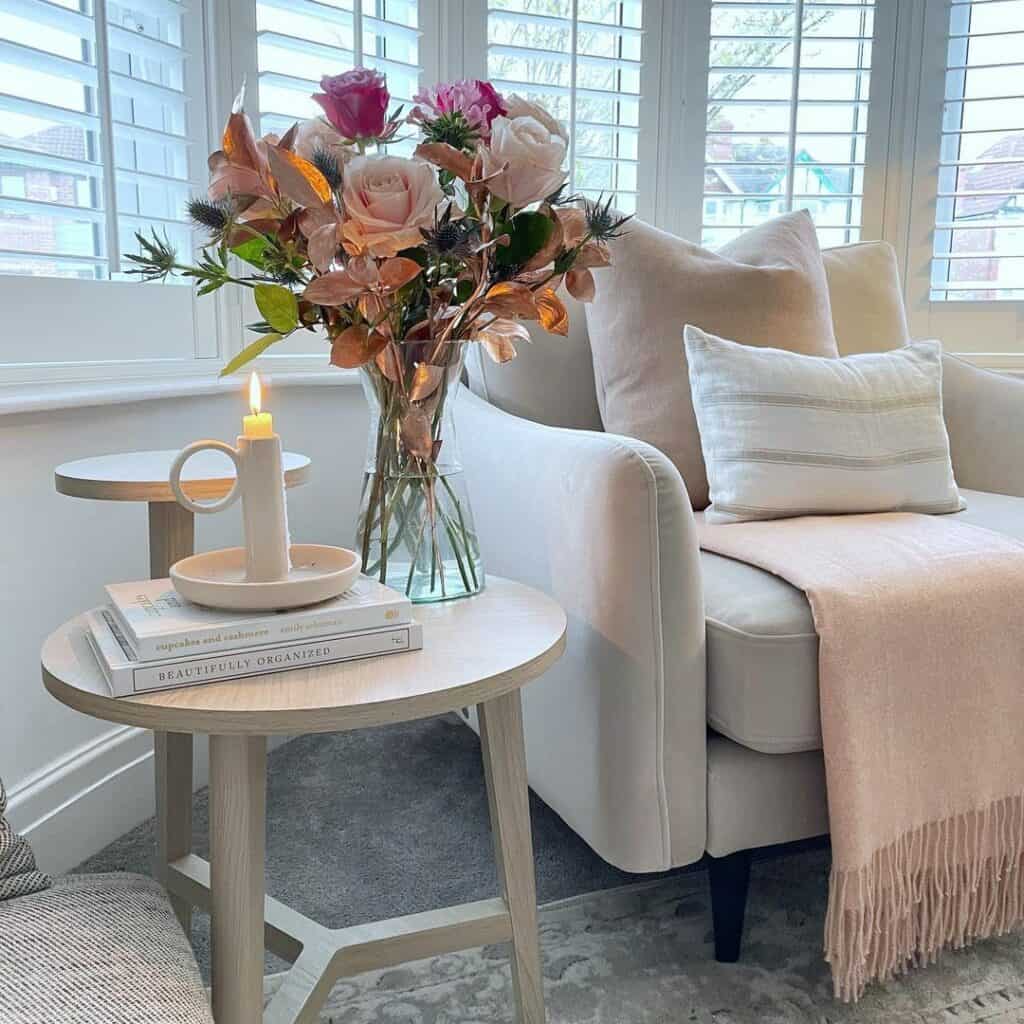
[{"x": 415, "y": 530}]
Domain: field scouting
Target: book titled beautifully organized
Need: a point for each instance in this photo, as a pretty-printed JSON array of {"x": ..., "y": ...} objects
[{"x": 149, "y": 638}]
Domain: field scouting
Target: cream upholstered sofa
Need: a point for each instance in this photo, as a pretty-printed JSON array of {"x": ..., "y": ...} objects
[{"x": 683, "y": 718}]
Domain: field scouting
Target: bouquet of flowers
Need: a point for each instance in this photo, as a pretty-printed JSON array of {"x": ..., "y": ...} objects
[{"x": 401, "y": 262}]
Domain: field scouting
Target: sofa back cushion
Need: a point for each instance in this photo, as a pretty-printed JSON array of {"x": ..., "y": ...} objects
[
  {"x": 552, "y": 380},
  {"x": 767, "y": 288},
  {"x": 18, "y": 873}
]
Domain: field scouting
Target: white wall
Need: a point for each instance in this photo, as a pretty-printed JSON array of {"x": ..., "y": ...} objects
[{"x": 76, "y": 783}]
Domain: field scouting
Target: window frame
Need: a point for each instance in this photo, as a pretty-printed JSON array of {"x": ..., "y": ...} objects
[
  {"x": 987, "y": 333},
  {"x": 119, "y": 301},
  {"x": 904, "y": 133}
]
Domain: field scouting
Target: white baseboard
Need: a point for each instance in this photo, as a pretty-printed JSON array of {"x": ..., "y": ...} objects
[{"x": 76, "y": 805}]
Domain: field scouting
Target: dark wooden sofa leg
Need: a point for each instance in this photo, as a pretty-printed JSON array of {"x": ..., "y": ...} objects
[{"x": 730, "y": 877}]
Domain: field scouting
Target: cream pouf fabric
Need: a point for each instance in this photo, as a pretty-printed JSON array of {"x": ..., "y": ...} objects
[
  {"x": 789, "y": 435},
  {"x": 766, "y": 287},
  {"x": 97, "y": 949}
]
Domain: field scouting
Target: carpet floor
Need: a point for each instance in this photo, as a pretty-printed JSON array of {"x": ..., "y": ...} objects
[
  {"x": 391, "y": 821},
  {"x": 378, "y": 823}
]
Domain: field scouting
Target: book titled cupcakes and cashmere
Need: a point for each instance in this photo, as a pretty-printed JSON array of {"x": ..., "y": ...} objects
[{"x": 147, "y": 637}]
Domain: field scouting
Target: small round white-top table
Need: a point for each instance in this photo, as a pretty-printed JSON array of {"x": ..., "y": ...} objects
[
  {"x": 144, "y": 476},
  {"x": 476, "y": 651}
]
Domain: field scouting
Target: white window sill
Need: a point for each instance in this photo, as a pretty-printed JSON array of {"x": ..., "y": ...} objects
[{"x": 67, "y": 394}]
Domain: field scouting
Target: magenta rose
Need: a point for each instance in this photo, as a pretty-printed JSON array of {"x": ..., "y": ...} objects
[
  {"x": 478, "y": 102},
  {"x": 356, "y": 103}
]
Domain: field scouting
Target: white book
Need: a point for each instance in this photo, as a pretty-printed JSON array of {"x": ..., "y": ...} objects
[
  {"x": 127, "y": 676},
  {"x": 159, "y": 623}
]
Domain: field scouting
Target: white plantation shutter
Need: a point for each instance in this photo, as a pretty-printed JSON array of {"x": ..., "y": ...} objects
[
  {"x": 97, "y": 132},
  {"x": 581, "y": 59},
  {"x": 787, "y": 114},
  {"x": 978, "y": 243},
  {"x": 299, "y": 41}
]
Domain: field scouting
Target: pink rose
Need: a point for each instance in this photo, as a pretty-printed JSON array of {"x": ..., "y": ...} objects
[
  {"x": 356, "y": 103},
  {"x": 478, "y": 102},
  {"x": 516, "y": 106},
  {"x": 387, "y": 200},
  {"x": 531, "y": 152}
]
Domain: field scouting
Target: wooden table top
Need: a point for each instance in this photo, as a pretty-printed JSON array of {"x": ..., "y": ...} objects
[
  {"x": 143, "y": 476},
  {"x": 474, "y": 649}
]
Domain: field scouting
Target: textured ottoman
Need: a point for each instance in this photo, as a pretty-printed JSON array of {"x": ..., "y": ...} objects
[{"x": 97, "y": 949}]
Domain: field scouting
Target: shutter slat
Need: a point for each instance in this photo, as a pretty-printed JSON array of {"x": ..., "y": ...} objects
[{"x": 801, "y": 161}]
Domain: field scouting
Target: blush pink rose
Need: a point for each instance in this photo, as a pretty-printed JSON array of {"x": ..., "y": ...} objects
[
  {"x": 387, "y": 200},
  {"x": 356, "y": 103},
  {"x": 525, "y": 156},
  {"x": 478, "y": 102}
]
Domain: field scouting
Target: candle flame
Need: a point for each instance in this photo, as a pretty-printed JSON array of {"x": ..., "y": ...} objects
[{"x": 255, "y": 393}]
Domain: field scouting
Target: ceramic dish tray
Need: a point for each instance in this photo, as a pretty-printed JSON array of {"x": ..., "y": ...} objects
[{"x": 217, "y": 579}]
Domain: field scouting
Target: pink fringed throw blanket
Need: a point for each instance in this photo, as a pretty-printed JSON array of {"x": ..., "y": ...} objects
[{"x": 921, "y": 673}]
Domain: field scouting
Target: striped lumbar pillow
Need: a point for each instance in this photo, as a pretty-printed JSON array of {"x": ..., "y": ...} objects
[{"x": 789, "y": 435}]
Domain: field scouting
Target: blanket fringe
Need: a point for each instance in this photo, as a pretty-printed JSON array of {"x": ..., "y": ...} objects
[{"x": 943, "y": 884}]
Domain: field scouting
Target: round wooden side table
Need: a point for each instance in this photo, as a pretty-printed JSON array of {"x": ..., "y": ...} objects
[
  {"x": 143, "y": 476},
  {"x": 476, "y": 651}
]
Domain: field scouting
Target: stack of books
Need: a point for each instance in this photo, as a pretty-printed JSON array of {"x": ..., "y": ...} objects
[{"x": 149, "y": 638}]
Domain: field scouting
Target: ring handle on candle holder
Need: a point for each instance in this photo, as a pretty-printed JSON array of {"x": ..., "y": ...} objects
[{"x": 179, "y": 463}]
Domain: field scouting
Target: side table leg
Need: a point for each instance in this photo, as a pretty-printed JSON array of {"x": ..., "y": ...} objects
[
  {"x": 172, "y": 536},
  {"x": 238, "y": 798},
  {"x": 501, "y": 735},
  {"x": 172, "y": 754}
]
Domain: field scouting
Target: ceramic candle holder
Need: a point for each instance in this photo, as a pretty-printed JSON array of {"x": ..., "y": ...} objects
[{"x": 259, "y": 482}]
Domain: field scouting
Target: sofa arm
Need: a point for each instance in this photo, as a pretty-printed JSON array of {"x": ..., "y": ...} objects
[
  {"x": 985, "y": 418},
  {"x": 616, "y": 730}
]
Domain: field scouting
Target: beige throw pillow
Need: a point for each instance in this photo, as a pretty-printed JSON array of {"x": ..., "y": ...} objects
[
  {"x": 791, "y": 435},
  {"x": 765, "y": 288},
  {"x": 867, "y": 301}
]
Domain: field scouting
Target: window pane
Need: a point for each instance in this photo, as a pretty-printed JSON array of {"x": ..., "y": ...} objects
[
  {"x": 594, "y": 87},
  {"x": 978, "y": 247},
  {"x": 787, "y": 115},
  {"x": 300, "y": 41}
]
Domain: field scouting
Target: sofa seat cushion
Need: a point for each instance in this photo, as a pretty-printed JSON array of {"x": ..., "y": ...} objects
[
  {"x": 762, "y": 649},
  {"x": 97, "y": 949}
]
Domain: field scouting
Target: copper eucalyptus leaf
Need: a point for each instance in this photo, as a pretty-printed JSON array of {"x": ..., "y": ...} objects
[
  {"x": 416, "y": 434},
  {"x": 499, "y": 338},
  {"x": 510, "y": 298},
  {"x": 593, "y": 254},
  {"x": 398, "y": 271},
  {"x": 356, "y": 345},
  {"x": 333, "y": 289},
  {"x": 239, "y": 142},
  {"x": 364, "y": 271},
  {"x": 553, "y": 315},
  {"x": 323, "y": 244},
  {"x": 580, "y": 285},
  {"x": 288, "y": 139},
  {"x": 551, "y": 248},
  {"x": 235, "y": 180},
  {"x": 448, "y": 158},
  {"x": 298, "y": 179},
  {"x": 389, "y": 362},
  {"x": 426, "y": 379},
  {"x": 574, "y": 224}
]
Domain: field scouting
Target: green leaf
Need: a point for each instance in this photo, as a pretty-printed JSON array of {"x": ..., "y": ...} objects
[
  {"x": 463, "y": 290},
  {"x": 253, "y": 251},
  {"x": 250, "y": 352},
  {"x": 279, "y": 306},
  {"x": 528, "y": 233}
]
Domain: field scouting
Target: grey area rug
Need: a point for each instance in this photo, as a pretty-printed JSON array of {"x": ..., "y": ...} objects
[
  {"x": 391, "y": 821},
  {"x": 643, "y": 955}
]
